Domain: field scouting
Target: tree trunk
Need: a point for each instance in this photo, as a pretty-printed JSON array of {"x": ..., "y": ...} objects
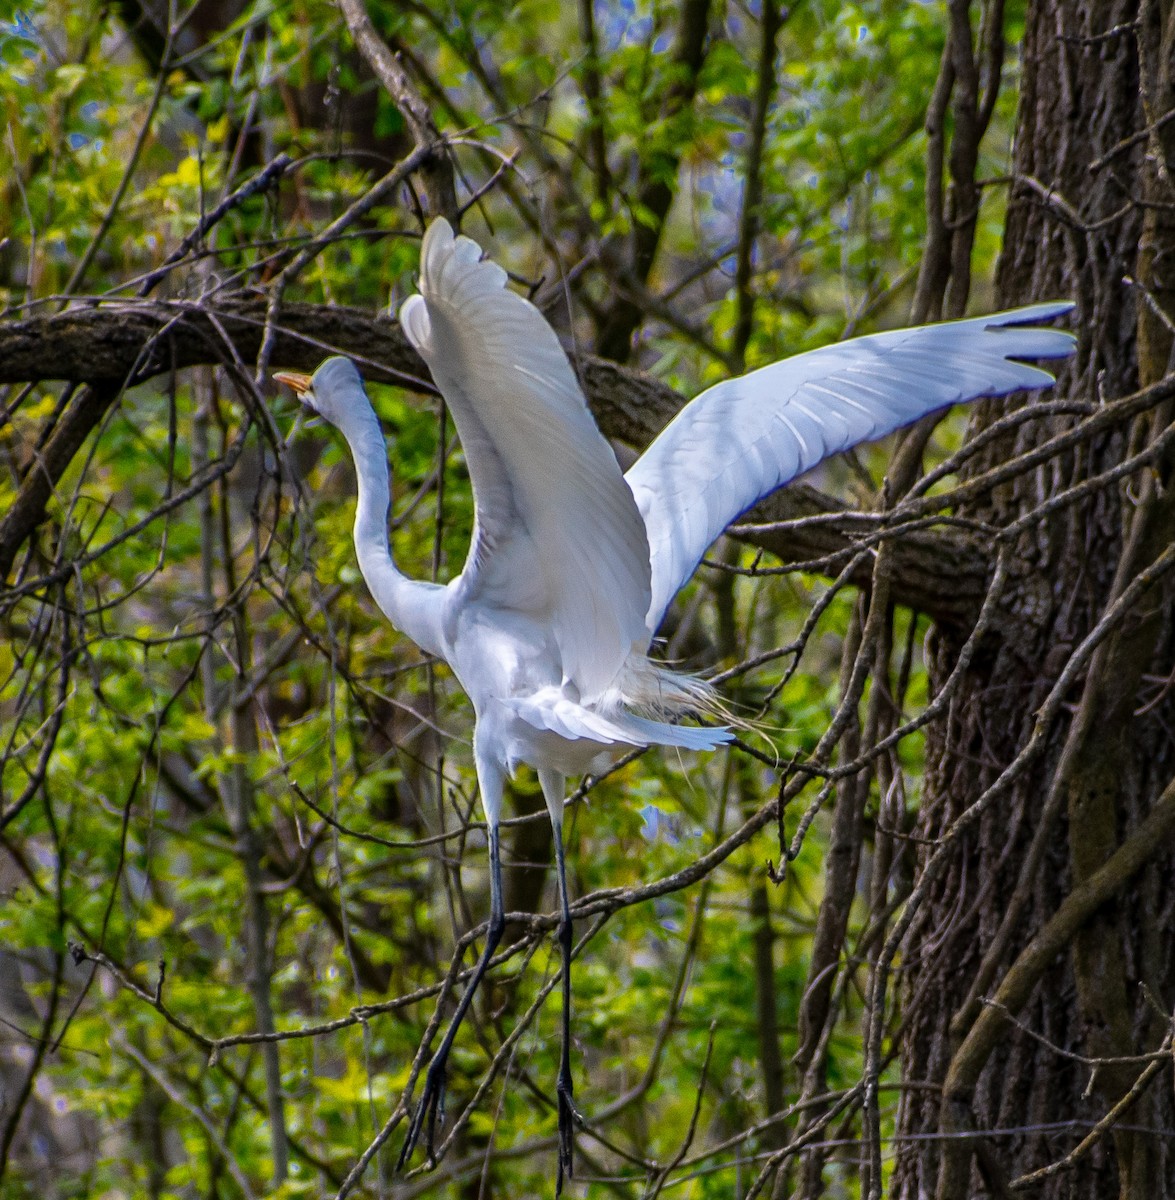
[{"x": 1014, "y": 1095}]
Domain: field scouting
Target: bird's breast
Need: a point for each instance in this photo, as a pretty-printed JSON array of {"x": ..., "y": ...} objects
[{"x": 501, "y": 654}]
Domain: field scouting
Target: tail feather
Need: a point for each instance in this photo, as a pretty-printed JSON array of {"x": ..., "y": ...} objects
[
  {"x": 688, "y": 737},
  {"x": 549, "y": 709}
]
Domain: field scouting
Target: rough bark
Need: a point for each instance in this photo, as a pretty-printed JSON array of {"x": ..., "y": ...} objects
[{"x": 1072, "y": 229}]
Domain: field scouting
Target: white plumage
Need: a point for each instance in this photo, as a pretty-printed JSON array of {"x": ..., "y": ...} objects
[
  {"x": 557, "y": 533},
  {"x": 745, "y": 437},
  {"x": 573, "y": 564}
]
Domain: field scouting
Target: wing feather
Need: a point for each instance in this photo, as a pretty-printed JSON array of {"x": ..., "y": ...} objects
[
  {"x": 742, "y": 439},
  {"x": 557, "y": 532}
]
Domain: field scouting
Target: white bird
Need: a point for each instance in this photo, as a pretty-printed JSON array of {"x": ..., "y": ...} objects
[{"x": 573, "y": 563}]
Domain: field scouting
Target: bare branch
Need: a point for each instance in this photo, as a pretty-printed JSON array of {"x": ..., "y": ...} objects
[{"x": 435, "y": 168}]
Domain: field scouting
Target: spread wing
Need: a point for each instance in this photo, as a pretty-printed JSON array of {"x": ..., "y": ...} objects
[
  {"x": 743, "y": 438},
  {"x": 557, "y": 532}
]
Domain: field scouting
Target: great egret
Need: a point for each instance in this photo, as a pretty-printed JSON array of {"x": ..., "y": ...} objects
[{"x": 572, "y": 563}]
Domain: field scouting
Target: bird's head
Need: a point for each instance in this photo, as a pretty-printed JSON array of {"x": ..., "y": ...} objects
[{"x": 334, "y": 391}]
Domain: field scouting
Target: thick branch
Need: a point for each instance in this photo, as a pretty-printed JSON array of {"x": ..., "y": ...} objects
[
  {"x": 122, "y": 343},
  {"x": 437, "y": 170},
  {"x": 749, "y": 219},
  {"x": 658, "y": 179}
]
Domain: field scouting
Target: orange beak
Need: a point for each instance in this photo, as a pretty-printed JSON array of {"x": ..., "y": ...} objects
[{"x": 293, "y": 379}]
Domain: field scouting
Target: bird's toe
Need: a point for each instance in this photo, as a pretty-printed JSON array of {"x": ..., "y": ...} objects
[{"x": 430, "y": 1107}]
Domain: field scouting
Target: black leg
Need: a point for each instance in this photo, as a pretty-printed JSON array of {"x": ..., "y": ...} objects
[
  {"x": 432, "y": 1099},
  {"x": 564, "y": 1089}
]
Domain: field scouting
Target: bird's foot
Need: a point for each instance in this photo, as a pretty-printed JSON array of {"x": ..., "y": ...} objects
[
  {"x": 429, "y": 1108},
  {"x": 569, "y": 1117}
]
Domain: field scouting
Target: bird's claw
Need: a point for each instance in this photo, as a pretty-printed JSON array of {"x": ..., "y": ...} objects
[
  {"x": 429, "y": 1109},
  {"x": 569, "y": 1118}
]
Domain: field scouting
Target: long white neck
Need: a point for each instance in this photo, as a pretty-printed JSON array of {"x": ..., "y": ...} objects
[{"x": 415, "y": 608}]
